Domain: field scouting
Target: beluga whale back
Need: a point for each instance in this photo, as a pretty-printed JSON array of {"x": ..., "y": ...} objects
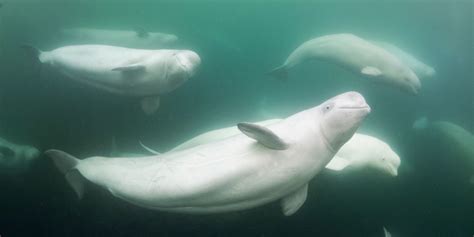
[
  {"x": 356, "y": 54},
  {"x": 132, "y": 72},
  {"x": 260, "y": 165},
  {"x": 138, "y": 38}
]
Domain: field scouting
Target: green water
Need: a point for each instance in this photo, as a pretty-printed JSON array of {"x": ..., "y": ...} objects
[{"x": 238, "y": 42}]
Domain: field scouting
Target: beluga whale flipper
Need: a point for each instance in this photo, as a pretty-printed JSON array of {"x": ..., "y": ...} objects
[
  {"x": 258, "y": 166},
  {"x": 132, "y": 72},
  {"x": 356, "y": 54}
]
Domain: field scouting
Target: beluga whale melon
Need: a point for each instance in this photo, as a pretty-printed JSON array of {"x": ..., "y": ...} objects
[
  {"x": 138, "y": 38},
  {"x": 260, "y": 165},
  {"x": 357, "y": 55},
  {"x": 132, "y": 72}
]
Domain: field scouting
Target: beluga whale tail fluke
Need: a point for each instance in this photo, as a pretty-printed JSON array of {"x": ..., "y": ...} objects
[
  {"x": 67, "y": 163},
  {"x": 31, "y": 50}
]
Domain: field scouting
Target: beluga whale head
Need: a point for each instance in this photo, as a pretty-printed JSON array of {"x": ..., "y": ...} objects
[
  {"x": 385, "y": 160},
  {"x": 182, "y": 65},
  {"x": 341, "y": 116}
]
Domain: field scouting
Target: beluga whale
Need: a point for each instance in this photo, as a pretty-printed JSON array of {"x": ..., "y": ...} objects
[
  {"x": 138, "y": 38},
  {"x": 147, "y": 74},
  {"x": 356, "y": 54},
  {"x": 260, "y": 165},
  {"x": 16, "y": 158}
]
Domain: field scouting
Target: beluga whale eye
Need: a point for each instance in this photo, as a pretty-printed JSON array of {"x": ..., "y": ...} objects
[{"x": 327, "y": 107}]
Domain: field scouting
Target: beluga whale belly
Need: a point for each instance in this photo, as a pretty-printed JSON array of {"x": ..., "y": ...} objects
[
  {"x": 260, "y": 165},
  {"x": 357, "y": 55},
  {"x": 132, "y": 72}
]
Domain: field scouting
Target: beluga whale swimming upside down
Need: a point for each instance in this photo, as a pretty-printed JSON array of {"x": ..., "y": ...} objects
[
  {"x": 260, "y": 165},
  {"x": 132, "y": 72}
]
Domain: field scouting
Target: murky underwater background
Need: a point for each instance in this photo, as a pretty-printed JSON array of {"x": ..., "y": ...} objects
[{"x": 238, "y": 42}]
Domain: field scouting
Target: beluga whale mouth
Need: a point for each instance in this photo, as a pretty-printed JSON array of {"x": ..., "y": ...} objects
[{"x": 367, "y": 107}]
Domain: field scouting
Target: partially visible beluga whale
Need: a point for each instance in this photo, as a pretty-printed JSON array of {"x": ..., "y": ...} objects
[
  {"x": 138, "y": 38},
  {"x": 421, "y": 69},
  {"x": 133, "y": 72},
  {"x": 356, "y": 54},
  {"x": 261, "y": 165},
  {"x": 15, "y": 158}
]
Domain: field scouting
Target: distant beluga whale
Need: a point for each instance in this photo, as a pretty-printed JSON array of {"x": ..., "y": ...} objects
[
  {"x": 359, "y": 153},
  {"x": 138, "y": 38},
  {"x": 421, "y": 69},
  {"x": 459, "y": 141},
  {"x": 357, "y": 55},
  {"x": 132, "y": 72},
  {"x": 15, "y": 158},
  {"x": 261, "y": 165}
]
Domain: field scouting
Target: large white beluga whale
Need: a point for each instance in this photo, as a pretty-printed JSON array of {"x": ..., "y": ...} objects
[
  {"x": 261, "y": 165},
  {"x": 138, "y": 38},
  {"x": 359, "y": 153},
  {"x": 356, "y": 54},
  {"x": 147, "y": 74}
]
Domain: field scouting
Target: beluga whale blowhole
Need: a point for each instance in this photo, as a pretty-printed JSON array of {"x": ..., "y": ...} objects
[
  {"x": 132, "y": 72},
  {"x": 260, "y": 165}
]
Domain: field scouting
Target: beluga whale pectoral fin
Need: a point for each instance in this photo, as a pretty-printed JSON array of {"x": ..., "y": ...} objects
[
  {"x": 150, "y": 104},
  {"x": 386, "y": 233},
  {"x": 152, "y": 151},
  {"x": 292, "y": 203},
  {"x": 371, "y": 71},
  {"x": 337, "y": 164},
  {"x": 67, "y": 163},
  {"x": 263, "y": 135}
]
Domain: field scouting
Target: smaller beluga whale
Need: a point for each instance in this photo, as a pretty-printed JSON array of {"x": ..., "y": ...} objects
[
  {"x": 146, "y": 74},
  {"x": 260, "y": 165},
  {"x": 357, "y": 55}
]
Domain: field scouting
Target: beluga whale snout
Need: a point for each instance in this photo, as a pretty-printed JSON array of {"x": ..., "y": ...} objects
[
  {"x": 189, "y": 61},
  {"x": 345, "y": 112}
]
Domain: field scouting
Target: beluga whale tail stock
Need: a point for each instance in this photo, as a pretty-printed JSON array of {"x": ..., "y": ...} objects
[
  {"x": 260, "y": 165},
  {"x": 146, "y": 74}
]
